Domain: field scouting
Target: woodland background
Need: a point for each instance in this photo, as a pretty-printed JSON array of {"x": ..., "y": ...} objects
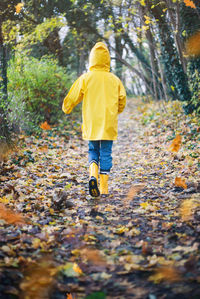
[
  {"x": 142, "y": 241},
  {"x": 44, "y": 46}
]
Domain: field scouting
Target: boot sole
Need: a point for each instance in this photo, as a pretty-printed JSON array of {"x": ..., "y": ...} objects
[{"x": 93, "y": 188}]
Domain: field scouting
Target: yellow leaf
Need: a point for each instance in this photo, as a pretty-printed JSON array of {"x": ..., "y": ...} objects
[
  {"x": 121, "y": 230},
  {"x": 77, "y": 269},
  {"x": 187, "y": 209},
  {"x": 172, "y": 88},
  {"x": 18, "y": 7},
  {"x": 144, "y": 205}
]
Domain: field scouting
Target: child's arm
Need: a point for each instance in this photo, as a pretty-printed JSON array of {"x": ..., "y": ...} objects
[
  {"x": 122, "y": 98},
  {"x": 74, "y": 96}
]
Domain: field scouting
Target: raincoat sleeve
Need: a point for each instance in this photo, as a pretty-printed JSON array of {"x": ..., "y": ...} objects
[
  {"x": 122, "y": 97},
  {"x": 74, "y": 96}
]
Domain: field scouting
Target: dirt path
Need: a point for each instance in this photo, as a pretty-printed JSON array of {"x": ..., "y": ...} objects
[{"x": 133, "y": 244}]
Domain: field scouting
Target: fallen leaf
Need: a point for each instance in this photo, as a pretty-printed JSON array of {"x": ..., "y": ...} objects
[
  {"x": 133, "y": 192},
  {"x": 176, "y": 144},
  {"x": 180, "y": 182},
  {"x": 168, "y": 274},
  {"x": 144, "y": 205},
  {"x": 187, "y": 209},
  {"x": 11, "y": 217},
  {"x": 70, "y": 270},
  {"x": 45, "y": 126},
  {"x": 39, "y": 279},
  {"x": 93, "y": 256}
]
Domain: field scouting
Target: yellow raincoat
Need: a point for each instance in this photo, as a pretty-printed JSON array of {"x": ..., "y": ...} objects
[{"x": 103, "y": 97}]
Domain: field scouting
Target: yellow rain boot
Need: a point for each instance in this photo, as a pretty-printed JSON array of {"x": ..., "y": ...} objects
[
  {"x": 104, "y": 184},
  {"x": 93, "y": 181}
]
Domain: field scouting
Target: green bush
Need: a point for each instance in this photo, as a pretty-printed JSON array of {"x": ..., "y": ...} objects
[
  {"x": 194, "y": 84},
  {"x": 36, "y": 89}
]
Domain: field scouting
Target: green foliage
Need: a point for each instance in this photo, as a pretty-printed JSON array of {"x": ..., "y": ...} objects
[
  {"x": 36, "y": 88},
  {"x": 194, "y": 84}
]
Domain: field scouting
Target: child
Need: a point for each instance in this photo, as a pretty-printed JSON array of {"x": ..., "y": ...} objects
[{"x": 103, "y": 97}]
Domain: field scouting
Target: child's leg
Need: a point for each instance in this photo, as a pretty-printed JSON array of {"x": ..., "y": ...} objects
[
  {"x": 94, "y": 151},
  {"x": 105, "y": 164},
  {"x": 93, "y": 161}
]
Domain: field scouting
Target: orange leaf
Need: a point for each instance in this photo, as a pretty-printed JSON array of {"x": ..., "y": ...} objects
[
  {"x": 189, "y": 3},
  {"x": 192, "y": 45},
  {"x": 11, "y": 217},
  {"x": 133, "y": 191},
  {"x": 45, "y": 126},
  {"x": 18, "y": 7},
  {"x": 69, "y": 296},
  {"x": 165, "y": 273},
  {"x": 179, "y": 182},
  {"x": 176, "y": 144}
]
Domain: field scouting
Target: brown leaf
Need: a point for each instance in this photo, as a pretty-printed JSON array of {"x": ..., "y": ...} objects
[
  {"x": 93, "y": 256},
  {"x": 146, "y": 248},
  {"x": 38, "y": 280},
  {"x": 133, "y": 191},
  {"x": 166, "y": 273}
]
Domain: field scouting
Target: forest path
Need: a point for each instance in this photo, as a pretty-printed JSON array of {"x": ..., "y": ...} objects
[{"x": 136, "y": 243}]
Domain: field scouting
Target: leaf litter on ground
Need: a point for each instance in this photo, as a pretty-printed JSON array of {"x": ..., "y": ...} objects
[{"x": 143, "y": 240}]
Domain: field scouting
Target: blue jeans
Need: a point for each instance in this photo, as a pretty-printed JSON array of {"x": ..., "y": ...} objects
[{"x": 101, "y": 151}]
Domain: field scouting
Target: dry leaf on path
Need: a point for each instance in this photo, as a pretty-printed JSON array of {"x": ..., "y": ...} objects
[
  {"x": 38, "y": 280},
  {"x": 165, "y": 273},
  {"x": 176, "y": 144},
  {"x": 180, "y": 182},
  {"x": 133, "y": 191},
  {"x": 45, "y": 126},
  {"x": 93, "y": 256},
  {"x": 187, "y": 209},
  {"x": 11, "y": 217}
]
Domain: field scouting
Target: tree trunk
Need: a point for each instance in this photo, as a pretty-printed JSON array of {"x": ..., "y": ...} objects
[
  {"x": 176, "y": 79},
  {"x": 176, "y": 31},
  {"x": 3, "y": 64},
  {"x": 4, "y": 130}
]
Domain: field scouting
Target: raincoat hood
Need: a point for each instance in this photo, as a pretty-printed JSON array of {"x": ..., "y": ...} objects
[{"x": 99, "y": 58}]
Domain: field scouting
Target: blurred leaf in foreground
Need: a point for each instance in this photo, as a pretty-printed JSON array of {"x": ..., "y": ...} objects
[
  {"x": 165, "y": 273},
  {"x": 192, "y": 45},
  {"x": 11, "y": 217},
  {"x": 39, "y": 280},
  {"x": 187, "y": 209}
]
